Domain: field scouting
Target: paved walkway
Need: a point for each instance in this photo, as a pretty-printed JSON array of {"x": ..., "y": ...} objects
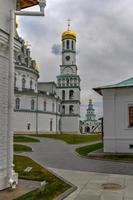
[
  {"x": 58, "y": 154},
  {"x": 90, "y": 185}
]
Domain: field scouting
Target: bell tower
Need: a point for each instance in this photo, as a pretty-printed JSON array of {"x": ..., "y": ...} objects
[{"x": 68, "y": 83}]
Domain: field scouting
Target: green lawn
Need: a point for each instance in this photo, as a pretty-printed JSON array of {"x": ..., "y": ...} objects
[
  {"x": 18, "y": 138},
  {"x": 54, "y": 187},
  {"x": 72, "y": 138},
  {"x": 89, "y": 148},
  {"x": 21, "y": 148}
]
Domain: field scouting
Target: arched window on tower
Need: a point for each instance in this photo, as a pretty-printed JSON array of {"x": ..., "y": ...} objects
[
  {"x": 63, "y": 45},
  {"x": 67, "y": 44},
  {"x": 17, "y": 104},
  {"x": 32, "y": 104},
  {"x": 63, "y": 109},
  {"x": 71, "y": 94},
  {"x": 72, "y": 45},
  {"x": 67, "y": 82},
  {"x": 23, "y": 83},
  {"x": 71, "y": 109},
  {"x": 63, "y": 94}
]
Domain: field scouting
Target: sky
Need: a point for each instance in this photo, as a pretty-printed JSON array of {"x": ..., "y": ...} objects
[{"x": 104, "y": 42}]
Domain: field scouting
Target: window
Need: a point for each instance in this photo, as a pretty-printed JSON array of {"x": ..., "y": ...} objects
[
  {"x": 71, "y": 109},
  {"x": 28, "y": 126},
  {"x": 31, "y": 84},
  {"x": 15, "y": 81},
  {"x": 63, "y": 109},
  {"x": 130, "y": 115},
  {"x": 32, "y": 104},
  {"x": 59, "y": 108},
  {"x": 23, "y": 83},
  {"x": 44, "y": 105},
  {"x": 67, "y": 44},
  {"x": 63, "y": 45},
  {"x": 17, "y": 104},
  {"x": 63, "y": 94},
  {"x": 72, "y": 44},
  {"x": 52, "y": 107},
  {"x": 71, "y": 94},
  {"x": 67, "y": 82}
]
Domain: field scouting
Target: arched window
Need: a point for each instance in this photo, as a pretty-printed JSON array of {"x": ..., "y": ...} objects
[
  {"x": 67, "y": 44},
  {"x": 63, "y": 94},
  {"x": 44, "y": 106},
  {"x": 67, "y": 82},
  {"x": 31, "y": 84},
  {"x": 59, "y": 108},
  {"x": 63, "y": 45},
  {"x": 72, "y": 45},
  {"x": 52, "y": 107},
  {"x": 63, "y": 109},
  {"x": 71, "y": 109},
  {"x": 15, "y": 81},
  {"x": 23, "y": 83},
  {"x": 17, "y": 104},
  {"x": 32, "y": 104},
  {"x": 71, "y": 94}
]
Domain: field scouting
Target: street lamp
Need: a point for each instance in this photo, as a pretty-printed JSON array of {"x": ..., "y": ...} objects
[{"x": 13, "y": 13}]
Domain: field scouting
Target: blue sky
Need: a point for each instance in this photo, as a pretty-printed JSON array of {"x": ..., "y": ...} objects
[{"x": 104, "y": 42}]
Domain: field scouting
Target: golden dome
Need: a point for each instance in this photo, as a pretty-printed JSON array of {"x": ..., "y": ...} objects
[
  {"x": 69, "y": 34},
  {"x": 37, "y": 67}
]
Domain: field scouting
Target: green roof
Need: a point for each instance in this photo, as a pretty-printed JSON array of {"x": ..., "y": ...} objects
[{"x": 122, "y": 84}]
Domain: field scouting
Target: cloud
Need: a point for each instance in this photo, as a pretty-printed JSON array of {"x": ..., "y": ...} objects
[{"x": 56, "y": 49}]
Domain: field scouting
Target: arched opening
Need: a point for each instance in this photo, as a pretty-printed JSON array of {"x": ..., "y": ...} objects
[
  {"x": 71, "y": 109},
  {"x": 87, "y": 129},
  {"x": 63, "y": 94},
  {"x": 67, "y": 44},
  {"x": 63, "y": 109},
  {"x": 72, "y": 45},
  {"x": 71, "y": 94}
]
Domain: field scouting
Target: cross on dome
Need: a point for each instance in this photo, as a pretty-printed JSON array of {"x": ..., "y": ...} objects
[{"x": 69, "y": 24}]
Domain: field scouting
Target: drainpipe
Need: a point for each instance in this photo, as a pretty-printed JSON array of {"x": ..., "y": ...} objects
[{"x": 42, "y": 4}]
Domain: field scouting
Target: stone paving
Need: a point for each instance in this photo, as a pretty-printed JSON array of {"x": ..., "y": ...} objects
[
  {"x": 90, "y": 185},
  {"x": 23, "y": 187}
]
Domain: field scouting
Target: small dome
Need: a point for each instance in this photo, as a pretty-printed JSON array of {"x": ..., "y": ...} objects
[{"x": 69, "y": 34}]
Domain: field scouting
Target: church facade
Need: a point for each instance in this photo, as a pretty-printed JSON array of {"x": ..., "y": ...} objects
[
  {"x": 90, "y": 125},
  {"x": 47, "y": 106}
]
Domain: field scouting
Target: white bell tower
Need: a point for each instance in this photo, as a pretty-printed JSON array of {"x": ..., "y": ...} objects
[{"x": 68, "y": 83}]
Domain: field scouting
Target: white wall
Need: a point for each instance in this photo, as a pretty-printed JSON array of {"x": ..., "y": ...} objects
[
  {"x": 70, "y": 124},
  {"x": 117, "y": 135}
]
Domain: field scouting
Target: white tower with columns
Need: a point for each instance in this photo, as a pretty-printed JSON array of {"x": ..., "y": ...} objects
[{"x": 68, "y": 83}]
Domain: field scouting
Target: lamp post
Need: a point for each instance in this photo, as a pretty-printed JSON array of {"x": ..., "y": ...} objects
[{"x": 13, "y": 13}]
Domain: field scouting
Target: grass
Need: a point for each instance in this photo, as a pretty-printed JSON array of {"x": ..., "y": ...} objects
[
  {"x": 54, "y": 187},
  {"x": 24, "y": 139},
  {"x": 22, "y": 148},
  {"x": 89, "y": 148},
  {"x": 118, "y": 157},
  {"x": 72, "y": 138}
]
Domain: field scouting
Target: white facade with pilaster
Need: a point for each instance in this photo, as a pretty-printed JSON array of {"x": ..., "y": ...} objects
[{"x": 118, "y": 122}]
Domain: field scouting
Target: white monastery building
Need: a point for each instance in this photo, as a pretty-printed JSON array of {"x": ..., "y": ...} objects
[
  {"x": 90, "y": 125},
  {"x": 118, "y": 116},
  {"x": 8, "y": 46},
  {"x": 47, "y": 106}
]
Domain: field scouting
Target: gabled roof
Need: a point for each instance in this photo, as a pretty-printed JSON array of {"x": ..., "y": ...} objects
[
  {"x": 26, "y": 3},
  {"x": 124, "y": 84}
]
